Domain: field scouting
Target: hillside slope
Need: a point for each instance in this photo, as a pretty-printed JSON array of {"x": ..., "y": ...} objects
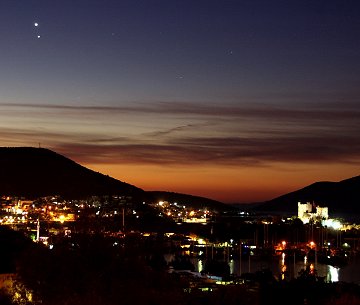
[
  {"x": 35, "y": 172},
  {"x": 195, "y": 201},
  {"x": 341, "y": 197}
]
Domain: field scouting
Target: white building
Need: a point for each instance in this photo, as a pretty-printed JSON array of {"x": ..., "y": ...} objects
[
  {"x": 307, "y": 211},
  {"x": 322, "y": 212}
]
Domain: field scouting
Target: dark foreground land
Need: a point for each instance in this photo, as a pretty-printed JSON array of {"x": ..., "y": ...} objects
[{"x": 96, "y": 269}]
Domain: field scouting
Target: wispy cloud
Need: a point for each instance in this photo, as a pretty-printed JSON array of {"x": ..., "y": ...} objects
[
  {"x": 186, "y": 133},
  {"x": 322, "y": 110}
]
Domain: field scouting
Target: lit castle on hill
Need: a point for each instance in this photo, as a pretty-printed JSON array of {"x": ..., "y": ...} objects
[
  {"x": 310, "y": 212},
  {"x": 306, "y": 212}
]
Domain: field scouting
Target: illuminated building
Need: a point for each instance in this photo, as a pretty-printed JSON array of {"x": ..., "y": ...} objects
[
  {"x": 322, "y": 212},
  {"x": 306, "y": 212}
]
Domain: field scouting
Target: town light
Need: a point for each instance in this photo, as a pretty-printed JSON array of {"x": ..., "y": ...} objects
[{"x": 332, "y": 223}]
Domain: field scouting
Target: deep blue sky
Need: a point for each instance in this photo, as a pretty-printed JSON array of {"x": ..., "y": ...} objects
[{"x": 236, "y": 89}]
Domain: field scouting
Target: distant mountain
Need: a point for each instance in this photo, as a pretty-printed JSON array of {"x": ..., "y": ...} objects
[
  {"x": 36, "y": 172},
  {"x": 195, "y": 201},
  {"x": 341, "y": 197}
]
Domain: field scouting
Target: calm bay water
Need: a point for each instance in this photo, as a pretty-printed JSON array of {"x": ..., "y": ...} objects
[{"x": 349, "y": 273}]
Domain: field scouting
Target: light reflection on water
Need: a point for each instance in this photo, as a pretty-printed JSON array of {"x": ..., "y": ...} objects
[
  {"x": 279, "y": 267},
  {"x": 200, "y": 266},
  {"x": 332, "y": 274},
  {"x": 348, "y": 273}
]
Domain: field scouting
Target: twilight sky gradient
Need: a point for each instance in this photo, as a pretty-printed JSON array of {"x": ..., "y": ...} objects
[{"x": 234, "y": 100}]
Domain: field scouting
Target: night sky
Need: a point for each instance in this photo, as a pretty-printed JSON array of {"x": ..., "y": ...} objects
[{"x": 234, "y": 100}]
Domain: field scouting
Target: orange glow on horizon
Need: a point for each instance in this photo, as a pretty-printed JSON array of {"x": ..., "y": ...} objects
[{"x": 226, "y": 184}]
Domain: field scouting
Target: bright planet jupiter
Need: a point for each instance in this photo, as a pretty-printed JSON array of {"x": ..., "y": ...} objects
[{"x": 234, "y": 100}]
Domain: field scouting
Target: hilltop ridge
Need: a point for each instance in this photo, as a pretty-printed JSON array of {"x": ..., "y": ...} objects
[
  {"x": 341, "y": 197},
  {"x": 34, "y": 172},
  {"x": 37, "y": 172}
]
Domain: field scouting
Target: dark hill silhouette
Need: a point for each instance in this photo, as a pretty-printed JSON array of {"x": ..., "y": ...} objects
[
  {"x": 36, "y": 172},
  {"x": 341, "y": 197},
  {"x": 195, "y": 201}
]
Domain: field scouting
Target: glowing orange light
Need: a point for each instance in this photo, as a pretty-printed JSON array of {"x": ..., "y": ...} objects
[{"x": 312, "y": 268}]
